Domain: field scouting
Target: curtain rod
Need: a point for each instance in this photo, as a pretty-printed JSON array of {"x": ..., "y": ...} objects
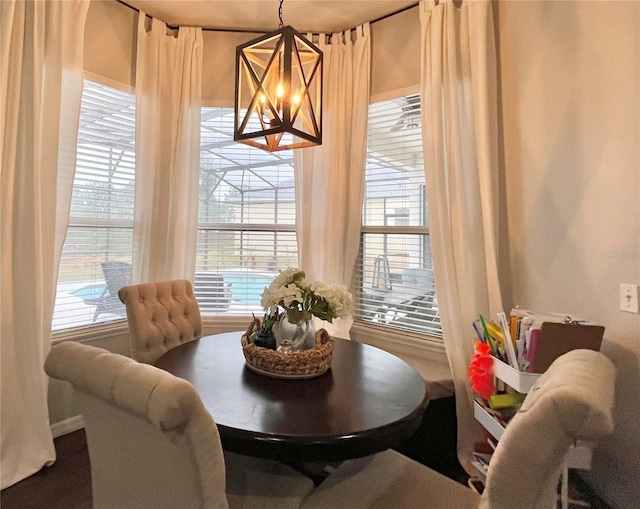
[
  {"x": 249, "y": 31},
  {"x": 394, "y": 13}
]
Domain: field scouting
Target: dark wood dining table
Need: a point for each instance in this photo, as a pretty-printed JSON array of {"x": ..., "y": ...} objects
[{"x": 368, "y": 401}]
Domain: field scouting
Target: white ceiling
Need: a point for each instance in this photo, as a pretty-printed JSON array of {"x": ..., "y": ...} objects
[{"x": 262, "y": 15}]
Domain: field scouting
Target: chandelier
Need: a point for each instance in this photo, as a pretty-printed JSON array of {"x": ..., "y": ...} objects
[{"x": 278, "y": 100}]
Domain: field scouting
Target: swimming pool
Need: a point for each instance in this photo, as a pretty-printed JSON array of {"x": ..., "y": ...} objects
[
  {"x": 90, "y": 291},
  {"x": 247, "y": 287}
]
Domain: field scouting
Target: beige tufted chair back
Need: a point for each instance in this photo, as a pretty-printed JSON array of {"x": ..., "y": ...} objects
[
  {"x": 152, "y": 444},
  {"x": 573, "y": 400},
  {"x": 161, "y": 316}
]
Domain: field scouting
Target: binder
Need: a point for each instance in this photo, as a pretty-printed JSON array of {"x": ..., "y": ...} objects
[{"x": 556, "y": 339}]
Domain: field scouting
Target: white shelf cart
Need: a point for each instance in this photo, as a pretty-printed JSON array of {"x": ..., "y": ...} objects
[{"x": 579, "y": 455}]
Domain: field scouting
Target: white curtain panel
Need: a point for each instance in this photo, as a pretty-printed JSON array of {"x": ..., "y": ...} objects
[
  {"x": 459, "y": 124},
  {"x": 40, "y": 106},
  {"x": 168, "y": 97},
  {"x": 329, "y": 179}
]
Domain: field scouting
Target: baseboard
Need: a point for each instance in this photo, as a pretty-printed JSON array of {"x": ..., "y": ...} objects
[{"x": 67, "y": 426}]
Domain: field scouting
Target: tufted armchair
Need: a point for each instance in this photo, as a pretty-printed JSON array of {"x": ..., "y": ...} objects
[
  {"x": 571, "y": 401},
  {"x": 161, "y": 316},
  {"x": 153, "y": 445}
]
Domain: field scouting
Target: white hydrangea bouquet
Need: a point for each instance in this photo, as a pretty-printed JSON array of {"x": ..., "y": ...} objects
[{"x": 301, "y": 299}]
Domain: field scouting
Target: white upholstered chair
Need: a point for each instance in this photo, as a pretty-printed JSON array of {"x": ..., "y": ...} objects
[
  {"x": 161, "y": 316},
  {"x": 572, "y": 400},
  {"x": 153, "y": 445}
]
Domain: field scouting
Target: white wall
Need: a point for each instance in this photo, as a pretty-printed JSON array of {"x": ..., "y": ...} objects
[
  {"x": 109, "y": 41},
  {"x": 219, "y": 66},
  {"x": 395, "y": 50},
  {"x": 570, "y": 120}
]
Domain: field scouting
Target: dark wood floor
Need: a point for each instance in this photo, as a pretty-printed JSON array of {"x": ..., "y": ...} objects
[{"x": 64, "y": 485}]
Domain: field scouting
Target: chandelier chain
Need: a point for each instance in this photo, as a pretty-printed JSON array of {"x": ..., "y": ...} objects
[{"x": 280, "y": 14}]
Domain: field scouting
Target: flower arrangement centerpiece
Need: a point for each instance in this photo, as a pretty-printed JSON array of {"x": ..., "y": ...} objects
[{"x": 291, "y": 301}]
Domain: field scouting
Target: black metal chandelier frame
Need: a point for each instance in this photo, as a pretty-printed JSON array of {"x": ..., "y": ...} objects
[{"x": 279, "y": 91}]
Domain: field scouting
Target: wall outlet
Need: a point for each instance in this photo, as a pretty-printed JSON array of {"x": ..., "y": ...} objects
[{"x": 629, "y": 298}]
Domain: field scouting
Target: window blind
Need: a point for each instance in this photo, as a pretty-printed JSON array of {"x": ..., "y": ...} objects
[
  {"x": 98, "y": 248},
  {"x": 246, "y": 218},
  {"x": 395, "y": 272}
]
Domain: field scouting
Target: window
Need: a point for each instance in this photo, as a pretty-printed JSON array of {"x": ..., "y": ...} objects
[
  {"x": 246, "y": 228},
  {"x": 395, "y": 273},
  {"x": 96, "y": 257}
]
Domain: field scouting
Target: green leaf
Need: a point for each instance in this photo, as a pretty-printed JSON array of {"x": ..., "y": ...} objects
[{"x": 294, "y": 315}]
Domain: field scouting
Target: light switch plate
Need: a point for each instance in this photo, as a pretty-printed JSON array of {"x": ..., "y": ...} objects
[{"x": 629, "y": 298}]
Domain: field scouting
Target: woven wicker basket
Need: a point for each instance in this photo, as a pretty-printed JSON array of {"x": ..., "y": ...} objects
[{"x": 300, "y": 363}]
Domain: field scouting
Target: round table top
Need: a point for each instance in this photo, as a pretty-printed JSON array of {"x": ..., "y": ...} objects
[{"x": 370, "y": 400}]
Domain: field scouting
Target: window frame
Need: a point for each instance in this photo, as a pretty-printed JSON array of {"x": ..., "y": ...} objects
[
  {"x": 105, "y": 328},
  {"x": 219, "y": 323},
  {"x": 384, "y": 330},
  {"x": 263, "y": 160}
]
